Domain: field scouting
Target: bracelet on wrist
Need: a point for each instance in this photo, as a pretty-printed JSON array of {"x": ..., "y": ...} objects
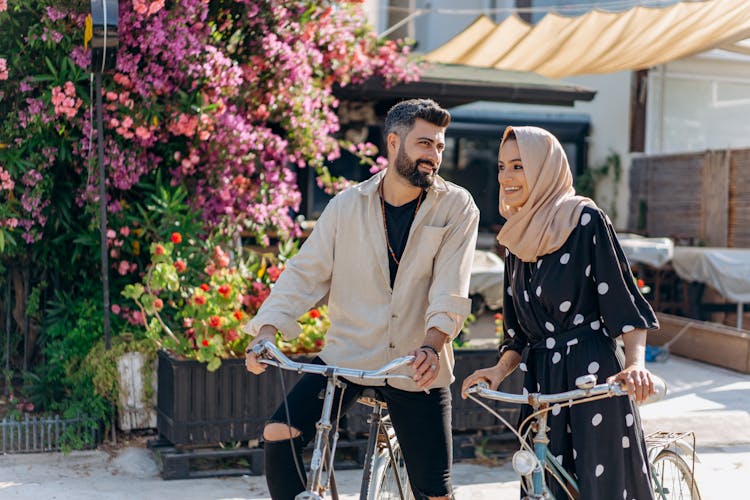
[{"x": 430, "y": 348}]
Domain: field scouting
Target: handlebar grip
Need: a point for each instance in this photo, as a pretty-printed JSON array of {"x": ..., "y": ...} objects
[
  {"x": 660, "y": 390},
  {"x": 479, "y": 386}
]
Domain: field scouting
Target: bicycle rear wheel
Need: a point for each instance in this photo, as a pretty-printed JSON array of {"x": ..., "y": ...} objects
[
  {"x": 389, "y": 479},
  {"x": 673, "y": 477}
]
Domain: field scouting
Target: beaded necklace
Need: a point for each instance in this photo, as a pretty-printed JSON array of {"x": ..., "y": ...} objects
[{"x": 385, "y": 222}]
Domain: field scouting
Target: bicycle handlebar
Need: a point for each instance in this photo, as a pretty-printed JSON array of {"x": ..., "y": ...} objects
[
  {"x": 536, "y": 399},
  {"x": 586, "y": 389},
  {"x": 269, "y": 354}
]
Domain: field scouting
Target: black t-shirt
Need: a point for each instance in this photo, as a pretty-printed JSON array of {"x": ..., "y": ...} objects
[{"x": 398, "y": 221}]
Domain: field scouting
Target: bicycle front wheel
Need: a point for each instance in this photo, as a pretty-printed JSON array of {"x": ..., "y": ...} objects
[
  {"x": 389, "y": 479},
  {"x": 673, "y": 478}
]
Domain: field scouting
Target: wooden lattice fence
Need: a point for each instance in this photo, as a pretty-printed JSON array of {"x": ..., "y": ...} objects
[{"x": 697, "y": 198}]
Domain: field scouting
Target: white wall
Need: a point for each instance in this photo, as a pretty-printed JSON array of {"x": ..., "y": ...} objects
[{"x": 698, "y": 103}]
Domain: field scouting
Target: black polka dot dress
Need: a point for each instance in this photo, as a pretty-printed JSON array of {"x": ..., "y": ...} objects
[{"x": 563, "y": 313}]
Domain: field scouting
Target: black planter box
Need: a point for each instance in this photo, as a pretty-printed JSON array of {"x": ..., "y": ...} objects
[{"x": 196, "y": 407}]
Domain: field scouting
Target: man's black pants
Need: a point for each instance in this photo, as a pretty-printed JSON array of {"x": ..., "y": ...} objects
[{"x": 422, "y": 422}]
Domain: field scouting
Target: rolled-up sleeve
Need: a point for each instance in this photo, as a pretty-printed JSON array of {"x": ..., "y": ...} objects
[
  {"x": 449, "y": 304},
  {"x": 304, "y": 282}
]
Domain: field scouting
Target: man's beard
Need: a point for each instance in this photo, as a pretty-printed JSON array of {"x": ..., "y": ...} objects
[{"x": 409, "y": 170}]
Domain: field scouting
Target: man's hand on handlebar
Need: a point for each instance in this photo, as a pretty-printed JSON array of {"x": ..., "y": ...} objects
[{"x": 266, "y": 332}]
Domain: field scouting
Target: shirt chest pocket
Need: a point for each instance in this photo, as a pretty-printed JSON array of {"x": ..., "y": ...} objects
[{"x": 428, "y": 245}]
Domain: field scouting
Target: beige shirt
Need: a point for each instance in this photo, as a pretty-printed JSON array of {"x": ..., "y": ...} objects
[{"x": 346, "y": 257}]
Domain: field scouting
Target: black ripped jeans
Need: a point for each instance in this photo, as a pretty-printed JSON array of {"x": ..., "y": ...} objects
[{"x": 422, "y": 422}]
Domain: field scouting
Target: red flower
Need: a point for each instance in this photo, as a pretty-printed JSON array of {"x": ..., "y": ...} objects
[
  {"x": 314, "y": 313},
  {"x": 205, "y": 287},
  {"x": 176, "y": 238},
  {"x": 232, "y": 335},
  {"x": 499, "y": 316},
  {"x": 273, "y": 273},
  {"x": 180, "y": 266},
  {"x": 200, "y": 300},
  {"x": 214, "y": 321},
  {"x": 225, "y": 290},
  {"x": 205, "y": 342},
  {"x": 238, "y": 315},
  {"x": 159, "y": 250},
  {"x": 319, "y": 343},
  {"x": 158, "y": 304}
]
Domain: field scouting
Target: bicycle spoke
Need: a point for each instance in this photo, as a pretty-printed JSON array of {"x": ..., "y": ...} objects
[{"x": 672, "y": 477}]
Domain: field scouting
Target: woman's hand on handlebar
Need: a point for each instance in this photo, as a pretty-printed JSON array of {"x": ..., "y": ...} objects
[
  {"x": 637, "y": 379},
  {"x": 266, "y": 332},
  {"x": 492, "y": 376}
]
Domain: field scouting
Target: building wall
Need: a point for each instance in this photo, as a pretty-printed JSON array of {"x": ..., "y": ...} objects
[{"x": 697, "y": 103}]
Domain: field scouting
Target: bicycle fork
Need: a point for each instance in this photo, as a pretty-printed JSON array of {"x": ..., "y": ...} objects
[{"x": 315, "y": 484}]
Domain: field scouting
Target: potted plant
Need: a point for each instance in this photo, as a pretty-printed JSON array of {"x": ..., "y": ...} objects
[{"x": 195, "y": 317}]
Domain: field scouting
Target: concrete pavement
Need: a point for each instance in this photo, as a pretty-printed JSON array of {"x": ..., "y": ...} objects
[{"x": 713, "y": 402}]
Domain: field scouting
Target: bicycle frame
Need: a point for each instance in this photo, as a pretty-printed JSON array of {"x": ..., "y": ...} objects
[
  {"x": 379, "y": 433},
  {"x": 318, "y": 481},
  {"x": 540, "y": 403}
]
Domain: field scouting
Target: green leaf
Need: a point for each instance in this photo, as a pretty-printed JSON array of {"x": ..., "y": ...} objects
[
  {"x": 214, "y": 364},
  {"x": 133, "y": 292},
  {"x": 51, "y": 66}
]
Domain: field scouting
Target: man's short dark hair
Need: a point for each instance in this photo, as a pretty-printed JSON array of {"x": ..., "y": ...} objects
[{"x": 401, "y": 117}]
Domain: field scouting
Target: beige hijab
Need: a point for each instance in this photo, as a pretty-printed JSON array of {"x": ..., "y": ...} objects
[{"x": 544, "y": 222}]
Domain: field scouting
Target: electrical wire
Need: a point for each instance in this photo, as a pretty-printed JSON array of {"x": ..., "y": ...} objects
[
  {"x": 297, "y": 465},
  {"x": 614, "y": 5}
]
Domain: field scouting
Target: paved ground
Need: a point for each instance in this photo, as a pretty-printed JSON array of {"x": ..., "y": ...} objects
[{"x": 713, "y": 402}]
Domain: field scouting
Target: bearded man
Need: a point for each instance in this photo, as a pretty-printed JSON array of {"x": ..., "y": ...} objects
[{"x": 394, "y": 255}]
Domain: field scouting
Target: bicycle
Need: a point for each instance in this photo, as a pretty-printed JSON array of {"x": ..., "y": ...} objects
[
  {"x": 384, "y": 475},
  {"x": 672, "y": 477}
]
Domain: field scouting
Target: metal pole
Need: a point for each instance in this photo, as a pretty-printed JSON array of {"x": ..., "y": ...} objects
[
  {"x": 26, "y": 284},
  {"x": 740, "y": 314},
  {"x": 8, "y": 310},
  {"x": 102, "y": 207}
]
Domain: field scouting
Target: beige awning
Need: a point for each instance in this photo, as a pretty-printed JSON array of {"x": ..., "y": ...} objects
[{"x": 600, "y": 42}]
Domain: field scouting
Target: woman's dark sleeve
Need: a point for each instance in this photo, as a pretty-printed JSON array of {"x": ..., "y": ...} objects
[
  {"x": 622, "y": 306},
  {"x": 514, "y": 338}
]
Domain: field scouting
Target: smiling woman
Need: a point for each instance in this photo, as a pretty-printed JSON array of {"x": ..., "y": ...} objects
[{"x": 514, "y": 190}]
